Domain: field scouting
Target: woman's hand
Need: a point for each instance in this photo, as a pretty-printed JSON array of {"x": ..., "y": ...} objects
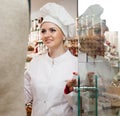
[{"x": 71, "y": 84}]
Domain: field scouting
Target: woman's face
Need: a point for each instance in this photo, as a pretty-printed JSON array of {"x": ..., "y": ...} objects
[{"x": 51, "y": 35}]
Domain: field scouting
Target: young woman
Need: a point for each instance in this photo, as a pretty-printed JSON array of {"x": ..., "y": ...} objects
[{"x": 46, "y": 77}]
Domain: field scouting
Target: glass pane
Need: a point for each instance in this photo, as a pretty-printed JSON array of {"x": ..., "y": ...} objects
[{"x": 99, "y": 45}]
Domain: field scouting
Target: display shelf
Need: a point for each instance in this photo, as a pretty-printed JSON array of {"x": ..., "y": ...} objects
[{"x": 72, "y": 45}]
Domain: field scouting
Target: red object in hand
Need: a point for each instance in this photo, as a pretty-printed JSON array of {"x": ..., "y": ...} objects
[
  {"x": 72, "y": 82},
  {"x": 75, "y": 73}
]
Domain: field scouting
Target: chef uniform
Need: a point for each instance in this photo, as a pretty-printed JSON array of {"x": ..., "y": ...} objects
[{"x": 45, "y": 79}]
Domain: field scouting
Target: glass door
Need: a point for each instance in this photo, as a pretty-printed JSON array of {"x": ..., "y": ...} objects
[{"x": 98, "y": 90}]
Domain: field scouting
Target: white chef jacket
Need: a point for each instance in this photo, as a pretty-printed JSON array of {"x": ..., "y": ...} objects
[{"x": 45, "y": 81}]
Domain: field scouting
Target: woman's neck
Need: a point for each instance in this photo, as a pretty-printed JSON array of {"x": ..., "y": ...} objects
[{"x": 53, "y": 53}]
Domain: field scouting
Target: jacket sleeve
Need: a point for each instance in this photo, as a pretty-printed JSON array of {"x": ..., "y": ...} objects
[
  {"x": 27, "y": 87},
  {"x": 72, "y": 99}
]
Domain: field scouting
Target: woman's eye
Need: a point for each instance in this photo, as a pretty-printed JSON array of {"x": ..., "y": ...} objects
[
  {"x": 52, "y": 30},
  {"x": 43, "y": 31}
]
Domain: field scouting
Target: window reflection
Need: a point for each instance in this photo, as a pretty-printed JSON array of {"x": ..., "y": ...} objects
[{"x": 99, "y": 43}]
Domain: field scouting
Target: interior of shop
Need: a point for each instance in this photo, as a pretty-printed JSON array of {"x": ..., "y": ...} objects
[{"x": 107, "y": 101}]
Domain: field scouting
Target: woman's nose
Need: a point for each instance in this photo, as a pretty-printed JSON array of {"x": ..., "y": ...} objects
[{"x": 47, "y": 34}]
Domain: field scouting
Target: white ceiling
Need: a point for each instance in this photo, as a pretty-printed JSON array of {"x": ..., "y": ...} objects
[{"x": 70, "y": 5}]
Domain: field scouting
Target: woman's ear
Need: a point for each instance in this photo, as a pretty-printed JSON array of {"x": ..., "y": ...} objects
[{"x": 64, "y": 38}]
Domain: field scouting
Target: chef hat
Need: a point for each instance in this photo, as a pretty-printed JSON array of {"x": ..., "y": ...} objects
[
  {"x": 52, "y": 12},
  {"x": 91, "y": 16}
]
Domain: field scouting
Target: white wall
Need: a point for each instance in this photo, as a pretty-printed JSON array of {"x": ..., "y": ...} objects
[{"x": 70, "y": 5}]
